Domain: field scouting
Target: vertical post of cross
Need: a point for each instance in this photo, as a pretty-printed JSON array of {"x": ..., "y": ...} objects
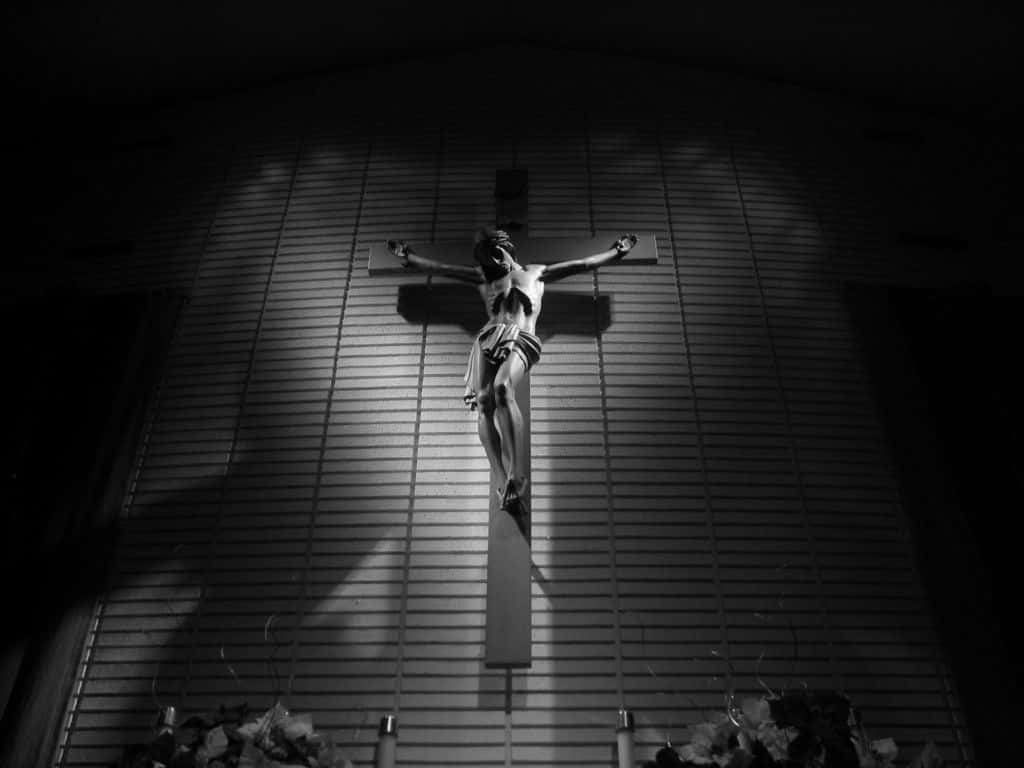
[{"x": 509, "y": 626}]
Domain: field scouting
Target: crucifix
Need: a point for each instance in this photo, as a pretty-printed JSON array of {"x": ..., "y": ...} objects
[{"x": 497, "y": 389}]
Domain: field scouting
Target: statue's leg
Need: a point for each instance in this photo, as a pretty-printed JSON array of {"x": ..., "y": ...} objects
[
  {"x": 510, "y": 421},
  {"x": 489, "y": 437}
]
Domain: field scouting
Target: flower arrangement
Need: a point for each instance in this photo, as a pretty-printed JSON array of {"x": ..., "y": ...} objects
[
  {"x": 235, "y": 737},
  {"x": 798, "y": 729}
]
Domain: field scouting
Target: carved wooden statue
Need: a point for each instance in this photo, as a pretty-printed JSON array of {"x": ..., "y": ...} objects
[{"x": 507, "y": 346}]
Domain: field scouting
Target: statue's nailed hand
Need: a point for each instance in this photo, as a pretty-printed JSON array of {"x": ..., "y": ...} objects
[
  {"x": 625, "y": 244},
  {"x": 400, "y": 251}
]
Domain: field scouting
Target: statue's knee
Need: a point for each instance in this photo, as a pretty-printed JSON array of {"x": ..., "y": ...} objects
[
  {"x": 485, "y": 402},
  {"x": 503, "y": 393}
]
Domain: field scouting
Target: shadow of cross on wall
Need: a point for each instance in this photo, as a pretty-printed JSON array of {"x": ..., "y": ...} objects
[{"x": 459, "y": 305}]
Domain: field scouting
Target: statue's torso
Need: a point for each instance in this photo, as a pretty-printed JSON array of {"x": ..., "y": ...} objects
[{"x": 516, "y": 297}]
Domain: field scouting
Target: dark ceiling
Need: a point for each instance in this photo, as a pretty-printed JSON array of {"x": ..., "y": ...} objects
[{"x": 961, "y": 58}]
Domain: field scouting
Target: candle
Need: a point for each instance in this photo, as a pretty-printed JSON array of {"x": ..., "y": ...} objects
[
  {"x": 624, "y": 737},
  {"x": 387, "y": 741},
  {"x": 163, "y": 747}
]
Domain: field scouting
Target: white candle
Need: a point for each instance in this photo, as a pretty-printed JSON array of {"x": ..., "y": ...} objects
[
  {"x": 624, "y": 739},
  {"x": 387, "y": 741}
]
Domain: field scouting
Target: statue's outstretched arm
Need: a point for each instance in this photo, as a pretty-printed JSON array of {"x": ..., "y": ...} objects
[
  {"x": 619, "y": 248},
  {"x": 411, "y": 260}
]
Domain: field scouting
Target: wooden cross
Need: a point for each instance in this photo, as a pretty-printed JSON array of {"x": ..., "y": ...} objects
[{"x": 509, "y": 625}]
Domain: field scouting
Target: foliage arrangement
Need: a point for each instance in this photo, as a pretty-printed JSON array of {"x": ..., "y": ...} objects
[
  {"x": 798, "y": 729},
  {"x": 235, "y": 737}
]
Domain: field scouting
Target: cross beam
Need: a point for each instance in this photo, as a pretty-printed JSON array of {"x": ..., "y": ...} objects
[
  {"x": 509, "y": 624},
  {"x": 529, "y": 250}
]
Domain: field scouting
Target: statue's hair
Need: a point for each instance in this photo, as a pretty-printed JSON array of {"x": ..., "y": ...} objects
[
  {"x": 486, "y": 241},
  {"x": 494, "y": 237}
]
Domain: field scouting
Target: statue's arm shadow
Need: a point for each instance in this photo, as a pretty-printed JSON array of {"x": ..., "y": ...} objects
[{"x": 564, "y": 312}]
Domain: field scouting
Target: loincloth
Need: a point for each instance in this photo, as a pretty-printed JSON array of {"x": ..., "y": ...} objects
[{"x": 494, "y": 343}]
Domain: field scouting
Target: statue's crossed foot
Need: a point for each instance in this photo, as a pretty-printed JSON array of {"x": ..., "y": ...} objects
[{"x": 513, "y": 499}]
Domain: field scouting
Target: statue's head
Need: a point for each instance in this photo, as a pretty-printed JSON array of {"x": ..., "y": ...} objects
[{"x": 495, "y": 253}]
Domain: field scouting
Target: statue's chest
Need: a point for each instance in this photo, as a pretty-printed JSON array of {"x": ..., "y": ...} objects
[{"x": 515, "y": 290}]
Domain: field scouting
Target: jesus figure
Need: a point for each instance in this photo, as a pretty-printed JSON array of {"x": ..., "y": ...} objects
[{"x": 507, "y": 346}]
